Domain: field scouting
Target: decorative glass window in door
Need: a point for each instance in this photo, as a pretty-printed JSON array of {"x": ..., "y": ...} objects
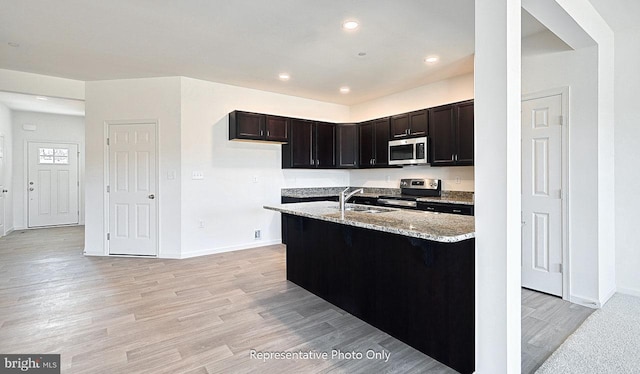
[{"x": 59, "y": 156}]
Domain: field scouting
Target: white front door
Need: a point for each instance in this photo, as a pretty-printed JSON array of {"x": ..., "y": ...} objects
[
  {"x": 542, "y": 194},
  {"x": 3, "y": 227},
  {"x": 132, "y": 190},
  {"x": 52, "y": 186}
]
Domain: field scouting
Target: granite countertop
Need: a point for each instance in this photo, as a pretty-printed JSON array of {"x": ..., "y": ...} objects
[
  {"x": 450, "y": 197},
  {"x": 440, "y": 227}
]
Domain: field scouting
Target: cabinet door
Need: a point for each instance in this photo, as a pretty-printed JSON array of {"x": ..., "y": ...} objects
[
  {"x": 418, "y": 122},
  {"x": 465, "y": 133},
  {"x": 302, "y": 144},
  {"x": 366, "y": 144},
  {"x": 249, "y": 125},
  {"x": 277, "y": 129},
  {"x": 347, "y": 146},
  {"x": 325, "y": 145},
  {"x": 400, "y": 125},
  {"x": 441, "y": 133},
  {"x": 381, "y": 148}
]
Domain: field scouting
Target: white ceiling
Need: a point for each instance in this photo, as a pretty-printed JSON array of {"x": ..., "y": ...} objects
[
  {"x": 246, "y": 42},
  {"x": 30, "y": 103}
]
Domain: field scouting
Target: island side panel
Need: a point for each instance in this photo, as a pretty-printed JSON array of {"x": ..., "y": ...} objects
[{"x": 419, "y": 291}]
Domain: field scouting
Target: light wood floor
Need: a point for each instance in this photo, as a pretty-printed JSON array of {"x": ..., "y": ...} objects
[
  {"x": 201, "y": 315},
  {"x": 547, "y": 321}
]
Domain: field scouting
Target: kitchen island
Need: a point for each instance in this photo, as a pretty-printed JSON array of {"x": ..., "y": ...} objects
[{"x": 408, "y": 273}]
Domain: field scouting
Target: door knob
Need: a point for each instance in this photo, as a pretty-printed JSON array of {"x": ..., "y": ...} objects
[
  {"x": 5, "y": 191},
  {"x": 31, "y": 189},
  {"x": 152, "y": 196}
]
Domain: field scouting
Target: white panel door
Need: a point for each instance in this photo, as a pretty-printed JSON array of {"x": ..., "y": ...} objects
[
  {"x": 132, "y": 190},
  {"x": 542, "y": 194},
  {"x": 3, "y": 189},
  {"x": 52, "y": 186}
]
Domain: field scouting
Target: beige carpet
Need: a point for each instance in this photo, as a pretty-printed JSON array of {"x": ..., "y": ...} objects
[{"x": 607, "y": 342}]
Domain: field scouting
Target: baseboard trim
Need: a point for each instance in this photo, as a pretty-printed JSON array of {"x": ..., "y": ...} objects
[
  {"x": 212, "y": 251},
  {"x": 629, "y": 291},
  {"x": 585, "y": 301},
  {"x": 608, "y": 296}
]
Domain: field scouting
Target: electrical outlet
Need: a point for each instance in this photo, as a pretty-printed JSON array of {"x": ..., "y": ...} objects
[
  {"x": 256, "y": 234},
  {"x": 255, "y": 179},
  {"x": 197, "y": 175},
  {"x": 457, "y": 180},
  {"x": 201, "y": 224}
]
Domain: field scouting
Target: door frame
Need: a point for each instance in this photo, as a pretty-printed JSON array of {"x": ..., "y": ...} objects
[
  {"x": 5, "y": 231},
  {"x": 564, "y": 93},
  {"x": 105, "y": 182},
  {"x": 26, "y": 182}
]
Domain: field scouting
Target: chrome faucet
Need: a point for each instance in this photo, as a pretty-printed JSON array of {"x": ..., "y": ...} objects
[{"x": 344, "y": 199}]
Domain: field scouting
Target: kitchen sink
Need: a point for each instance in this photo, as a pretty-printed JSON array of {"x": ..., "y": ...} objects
[{"x": 365, "y": 209}]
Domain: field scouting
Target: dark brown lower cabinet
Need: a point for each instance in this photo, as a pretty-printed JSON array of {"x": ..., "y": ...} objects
[{"x": 416, "y": 290}]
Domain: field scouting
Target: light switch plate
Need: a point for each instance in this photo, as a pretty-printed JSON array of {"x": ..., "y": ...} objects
[
  {"x": 171, "y": 175},
  {"x": 197, "y": 175}
]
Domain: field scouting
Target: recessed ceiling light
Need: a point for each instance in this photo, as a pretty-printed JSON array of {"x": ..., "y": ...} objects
[
  {"x": 284, "y": 76},
  {"x": 350, "y": 25},
  {"x": 345, "y": 90},
  {"x": 14, "y": 44},
  {"x": 431, "y": 59},
  {"x": 42, "y": 98}
]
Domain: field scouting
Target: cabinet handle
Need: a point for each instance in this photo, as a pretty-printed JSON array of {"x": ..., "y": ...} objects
[
  {"x": 456, "y": 157},
  {"x": 317, "y": 162},
  {"x": 452, "y": 157},
  {"x": 407, "y": 131},
  {"x": 261, "y": 132},
  {"x": 267, "y": 132},
  {"x": 374, "y": 161},
  {"x": 457, "y": 211},
  {"x": 430, "y": 208}
]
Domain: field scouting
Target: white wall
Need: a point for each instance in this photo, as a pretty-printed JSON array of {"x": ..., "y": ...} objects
[
  {"x": 6, "y": 130},
  {"x": 227, "y": 201},
  {"x": 627, "y": 144},
  {"x": 43, "y": 85},
  {"x": 156, "y": 99},
  {"x": 49, "y": 128},
  {"x": 460, "y": 178}
]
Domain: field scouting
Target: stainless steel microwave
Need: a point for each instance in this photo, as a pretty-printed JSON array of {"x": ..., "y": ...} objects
[{"x": 411, "y": 151}]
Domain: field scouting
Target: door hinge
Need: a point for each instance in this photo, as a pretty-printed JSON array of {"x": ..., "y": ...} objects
[
  {"x": 560, "y": 268},
  {"x": 108, "y": 236},
  {"x": 561, "y": 120},
  {"x": 107, "y": 141},
  {"x": 108, "y": 189}
]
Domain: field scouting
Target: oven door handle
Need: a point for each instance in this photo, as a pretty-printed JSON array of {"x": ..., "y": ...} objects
[{"x": 401, "y": 203}]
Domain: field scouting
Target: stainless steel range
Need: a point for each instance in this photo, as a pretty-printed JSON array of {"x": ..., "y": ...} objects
[{"x": 410, "y": 191}]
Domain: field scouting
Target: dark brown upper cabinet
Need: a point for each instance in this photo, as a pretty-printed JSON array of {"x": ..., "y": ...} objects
[
  {"x": 451, "y": 134},
  {"x": 410, "y": 124},
  {"x": 257, "y": 126},
  {"x": 312, "y": 145},
  {"x": 373, "y": 143},
  {"x": 347, "y": 145}
]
